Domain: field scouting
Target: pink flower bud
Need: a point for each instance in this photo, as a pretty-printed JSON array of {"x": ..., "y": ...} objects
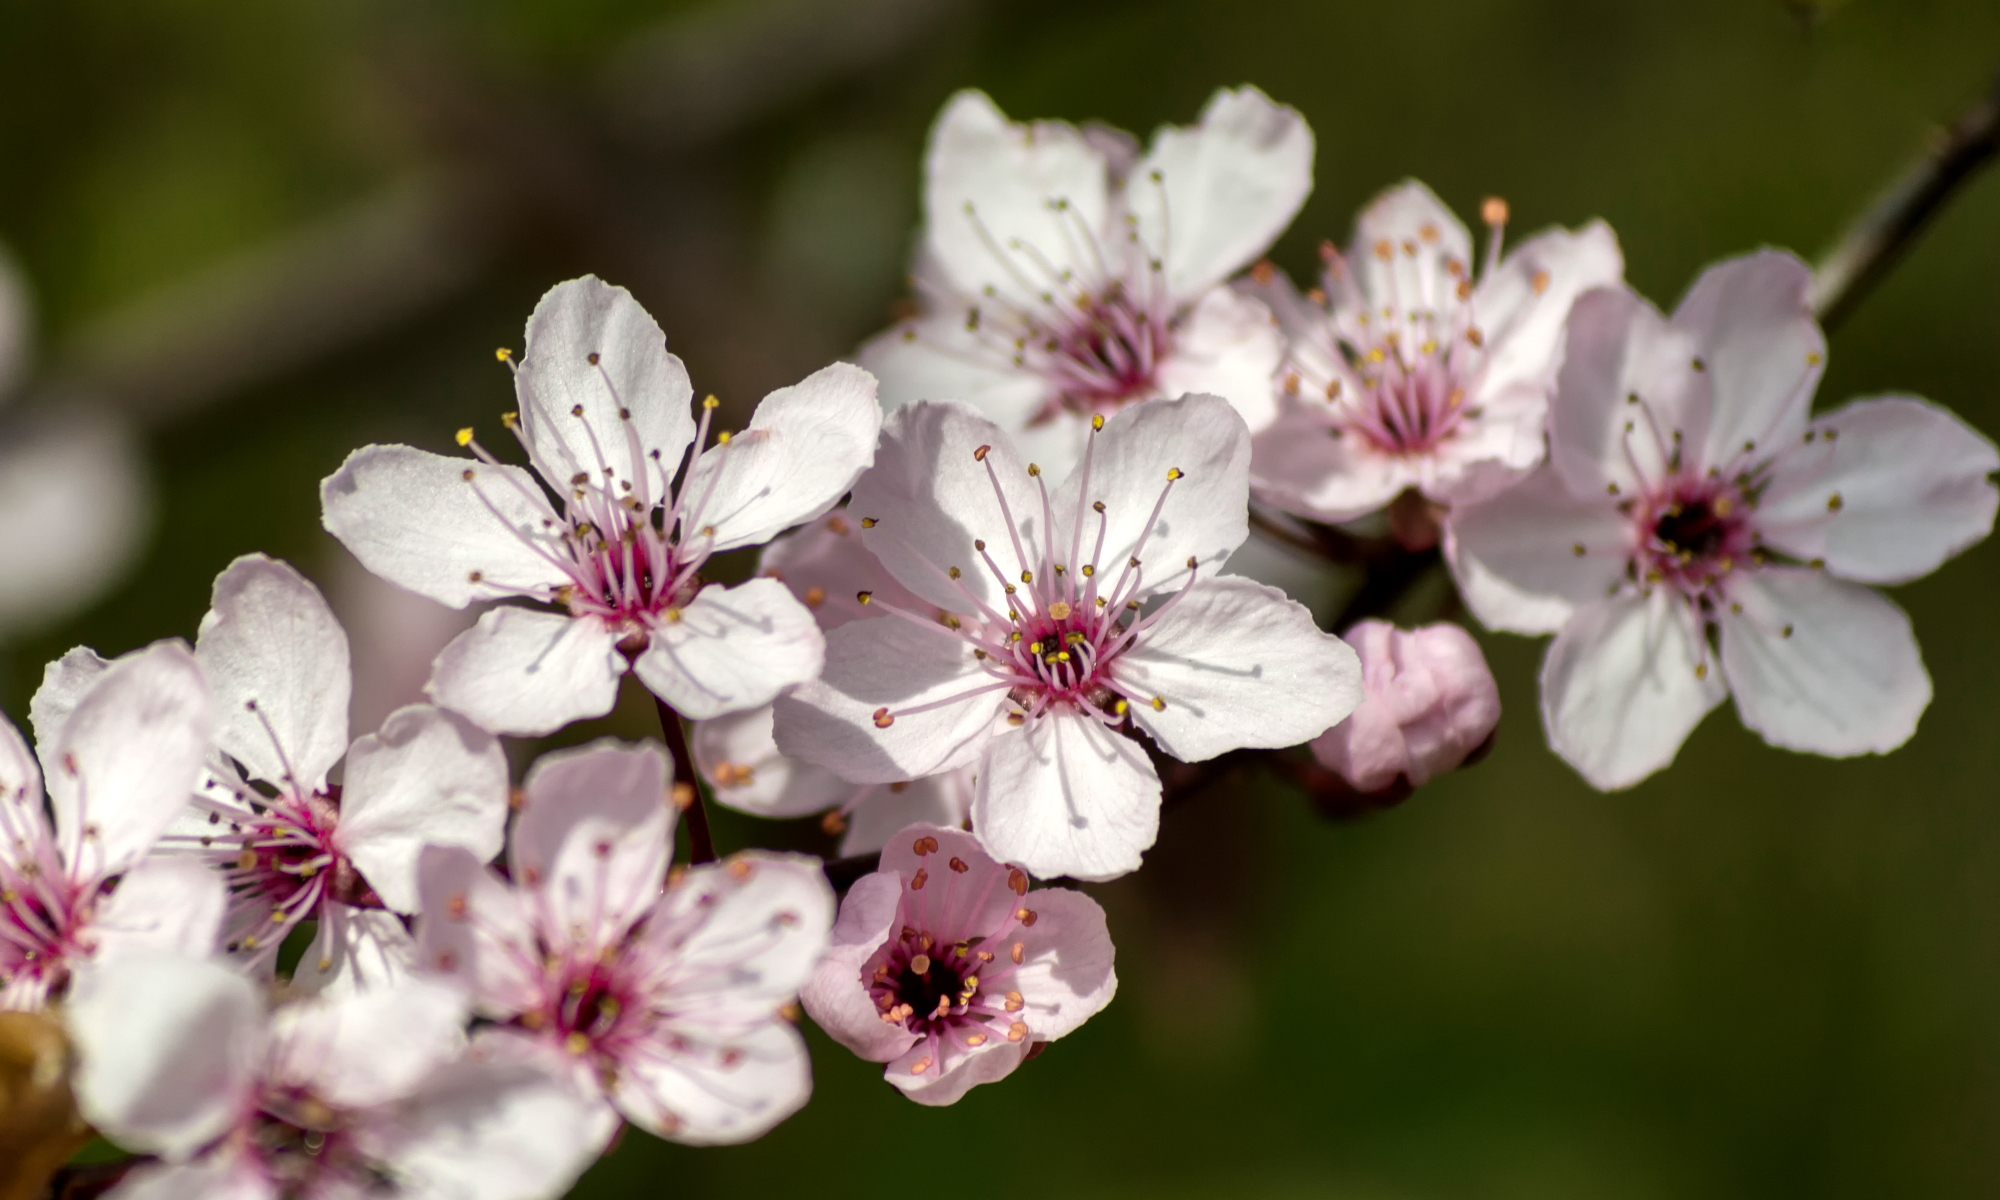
[{"x": 1430, "y": 702}]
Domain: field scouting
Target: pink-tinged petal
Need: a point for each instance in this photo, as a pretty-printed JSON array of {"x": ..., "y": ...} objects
[
  {"x": 528, "y": 673},
  {"x": 371, "y": 1047},
  {"x": 170, "y": 1075},
  {"x": 476, "y": 933},
  {"x": 1229, "y": 346},
  {"x": 721, "y": 1089},
  {"x": 1624, "y": 684},
  {"x": 1494, "y": 448},
  {"x": 966, "y": 1069},
  {"x": 1066, "y": 974},
  {"x": 222, "y": 1176},
  {"x": 889, "y": 664},
  {"x": 939, "y": 358},
  {"x": 836, "y": 997},
  {"x": 732, "y": 648},
  {"x": 594, "y": 833},
  {"x": 428, "y": 778},
  {"x": 1521, "y": 308},
  {"x": 1431, "y": 702},
  {"x": 1207, "y": 510},
  {"x": 75, "y": 510},
  {"x": 355, "y": 950},
  {"x": 1303, "y": 464},
  {"x": 944, "y": 799},
  {"x": 1005, "y": 204},
  {"x": 481, "y": 1129},
  {"x": 1211, "y": 197},
  {"x": 1629, "y": 398},
  {"x": 826, "y": 567},
  {"x": 1761, "y": 348},
  {"x": 598, "y": 391},
  {"x": 1882, "y": 491},
  {"x": 739, "y": 757},
  {"x": 1821, "y": 665},
  {"x": 1515, "y": 557},
  {"x": 741, "y": 937},
  {"x": 20, "y": 778},
  {"x": 930, "y": 499},
  {"x": 1066, "y": 796},
  {"x": 454, "y": 529},
  {"x": 278, "y": 663},
  {"x": 1404, "y": 243},
  {"x": 165, "y": 905},
  {"x": 129, "y": 757},
  {"x": 804, "y": 448},
  {"x": 1234, "y": 663},
  {"x": 943, "y": 898},
  {"x": 64, "y": 683}
]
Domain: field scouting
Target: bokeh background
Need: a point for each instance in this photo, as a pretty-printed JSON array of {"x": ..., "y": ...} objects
[{"x": 265, "y": 234}]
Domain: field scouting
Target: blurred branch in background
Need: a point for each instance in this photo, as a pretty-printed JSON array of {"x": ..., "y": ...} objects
[{"x": 1879, "y": 238}]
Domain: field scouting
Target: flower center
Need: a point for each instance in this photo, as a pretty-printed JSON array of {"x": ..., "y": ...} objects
[
  {"x": 1103, "y": 353},
  {"x": 1692, "y": 533},
  {"x": 1407, "y": 408},
  {"x": 284, "y": 864}
]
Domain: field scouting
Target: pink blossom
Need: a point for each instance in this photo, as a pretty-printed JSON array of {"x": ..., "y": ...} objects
[
  {"x": 1430, "y": 701},
  {"x": 664, "y": 997},
  {"x": 946, "y": 967}
]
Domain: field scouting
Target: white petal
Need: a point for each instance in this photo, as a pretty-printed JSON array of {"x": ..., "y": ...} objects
[
  {"x": 1763, "y": 351},
  {"x": 718, "y": 1090},
  {"x": 429, "y": 778},
  {"x": 128, "y": 758},
  {"x": 475, "y": 932},
  {"x": 165, "y": 905},
  {"x": 528, "y": 673},
  {"x": 1235, "y": 664},
  {"x": 826, "y": 566},
  {"x": 598, "y": 391},
  {"x": 804, "y": 448},
  {"x": 1624, "y": 684},
  {"x": 836, "y": 998},
  {"x": 1207, "y": 511},
  {"x": 1913, "y": 489},
  {"x": 1404, "y": 244},
  {"x": 64, "y": 683},
  {"x": 1005, "y": 204},
  {"x": 1523, "y": 323},
  {"x": 1514, "y": 557},
  {"x": 930, "y": 499},
  {"x": 488, "y": 1130},
  {"x": 936, "y": 357},
  {"x": 223, "y": 1176},
  {"x": 74, "y": 512},
  {"x": 944, "y": 799},
  {"x": 170, "y": 1075},
  {"x": 1299, "y": 466},
  {"x": 1822, "y": 665},
  {"x": 454, "y": 529},
  {"x": 739, "y": 757},
  {"x": 1600, "y": 437},
  {"x": 743, "y": 937},
  {"x": 731, "y": 648},
  {"x": 1226, "y": 188},
  {"x": 355, "y": 950},
  {"x": 1066, "y": 974},
  {"x": 370, "y": 1047},
  {"x": 278, "y": 663},
  {"x": 20, "y": 779},
  {"x": 896, "y": 664},
  {"x": 1229, "y": 346},
  {"x": 1065, "y": 796},
  {"x": 594, "y": 833},
  {"x": 994, "y": 1061}
]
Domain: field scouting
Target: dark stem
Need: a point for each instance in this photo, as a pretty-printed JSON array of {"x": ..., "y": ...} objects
[
  {"x": 701, "y": 843},
  {"x": 1386, "y": 584},
  {"x": 1879, "y": 238}
]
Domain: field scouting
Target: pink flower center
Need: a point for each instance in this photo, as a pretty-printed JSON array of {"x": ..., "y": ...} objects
[
  {"x": 1691, "y": 533},
  {"x": 46, "y": 903},
  {"x": 1103, "y": 351},
  {"x": 1407, "y": 407},
  {"x": 585, "y": 1006}
]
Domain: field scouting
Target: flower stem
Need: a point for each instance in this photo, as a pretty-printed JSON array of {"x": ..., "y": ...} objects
[
  {"x": 701, "y": 843},
  {"x": 1880, "y": 236}
]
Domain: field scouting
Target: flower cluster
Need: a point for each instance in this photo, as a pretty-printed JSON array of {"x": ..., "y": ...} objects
[{"x": 983, "y": 633}]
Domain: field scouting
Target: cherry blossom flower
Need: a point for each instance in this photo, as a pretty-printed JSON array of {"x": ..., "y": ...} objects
[
  {"x": 605, "y": 422},
  {"x": 119, "y": 757},
  {"x": 369, "y": 1093},
  {"x": 1035, "y": 685},
  {"x": 1431, "y": 702},
  {"x": 1408, "y": 370},
  {"x": 826, "y": 567},
  {"x": 667, "y": 1003},
  {"x": 946, "y": 967},
  {"x": 1693, "y": 515},
  {"x": 293, "y": 845},
  {"x": 1062, "y": 276}
]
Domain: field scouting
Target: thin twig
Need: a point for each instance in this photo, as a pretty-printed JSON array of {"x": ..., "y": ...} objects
[
  {"x": 1385, "y": 586},
  {"x": 1880, "y": 237},
  {"x": 701, "y": 843}
]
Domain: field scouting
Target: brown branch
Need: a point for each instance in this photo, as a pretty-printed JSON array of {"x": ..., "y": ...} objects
[{"x": 701, "y": 843}]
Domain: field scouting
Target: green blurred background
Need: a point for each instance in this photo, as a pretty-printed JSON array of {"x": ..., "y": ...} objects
[{"x": 274, "y": 232}]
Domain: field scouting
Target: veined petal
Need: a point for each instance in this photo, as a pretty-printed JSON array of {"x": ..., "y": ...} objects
[
  {"x": 1066, "y": 796},
  {"x": 454, "y": 529},
  {"x": 476, "y": 933},
  {"x": 1624, "y": 684},
  {"x": 1522, "y": 307},
  {"x": 164, "y": 905},
  {"x": 826, "y": 566},
  {"x": 593, "y": 835},
  {"x": 599, "y": 393},
  {"x": 943, "y": 799},
  {"x": 1761, "y": 348},
  {"x": 528, "y": 673},
  {"x": 355, "y": 950},
  {"x": 1629, "y": 401},
  {"x": 804, "y": 448},
  {"x": 730, "y": 649},
  {"x": 1821, "y": 665},
  {"x": 428, "y": 778},
  {"x": 371, "y": 1047},
  {"x": 1883, "y": 490},
  {"x": 835, "y": 997},
  {"x": 1235, "y": 663},
  {"x": 1304, "y": 464},
  {"x": 1404, "y": 244},
  {"x": 278, "y": 663},
  {"x": 1211, "y": 197},
  {"x": 994, "y": 1061},
  {"x": 20, "y": 780},
  {"x": 1526, "y": 559},
  {"x": 720, "y": 1089},
  {"x": 943, "y": 356},
  {"x": 488, "y": 1130},
  {"x": 1066, "y": 973},
  {"x": 1229, "y": 346},
  {"x": 743, "y": 936},
  {"x": 738, "y": 755}
]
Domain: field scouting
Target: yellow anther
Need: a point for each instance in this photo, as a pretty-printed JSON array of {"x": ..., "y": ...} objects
[
  {"x": 709, "y": 402},
  {"x": 465, "y": 436},
  {"x": 1059, "y": 611},
  {"x": 1173, "y": 473},
  {"x": 577, "y": 1043},
  {"x": 864, "y": 597},
  {"x": 1159, "y": 704},
  {"x": 503, "y": 354},
  {"x": 722, "y": 439},
  {"x": 1097, "y": 422}
]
